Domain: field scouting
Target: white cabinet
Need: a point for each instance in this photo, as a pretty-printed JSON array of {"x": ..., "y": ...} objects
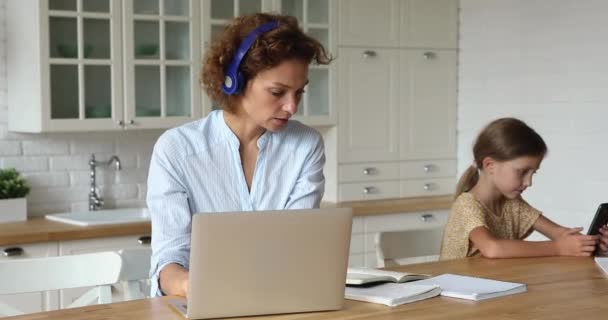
[
  {"x": 368, "y": 23},
  {"x": 366, "y": 228},
  {"x": 369, "y": 108},
  {"x": 315, "y": 17},
  {"x": 429, "y": 23},
  {"x": 66, "y": 297},
  {"x": 428, "y": 104},
  {"x": 397, "y": 98},
  {"x": 398, "y": 23},
  {"x": 102, "y": 65},
  {"x": 30, "y": 302}
]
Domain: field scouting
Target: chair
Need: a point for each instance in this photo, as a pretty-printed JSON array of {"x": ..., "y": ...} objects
[
  {"x": 394, "y": 248},
  {"x": 99, "y": 270},
  {"x": 134, "y": 276}
]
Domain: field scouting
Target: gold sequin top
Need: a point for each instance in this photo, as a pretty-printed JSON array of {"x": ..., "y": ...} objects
[{"x": 515, "y": 222}]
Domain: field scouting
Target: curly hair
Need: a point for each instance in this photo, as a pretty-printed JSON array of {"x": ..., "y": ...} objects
[{"x": 286, "y": 42}]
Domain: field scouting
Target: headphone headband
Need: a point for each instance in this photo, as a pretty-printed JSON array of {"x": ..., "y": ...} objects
[{"x": 234, "y": 80}]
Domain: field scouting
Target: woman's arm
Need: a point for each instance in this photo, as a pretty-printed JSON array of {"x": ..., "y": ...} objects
[
  {"x": 309, "y": 187},
  {"x": 569, "y": 243},
  {"x": 174, "y": 280},
  {"x": 167, "y": 200}
]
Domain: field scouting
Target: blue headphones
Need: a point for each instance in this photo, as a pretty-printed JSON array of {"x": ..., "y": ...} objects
[{"x": 235, "y": 81}]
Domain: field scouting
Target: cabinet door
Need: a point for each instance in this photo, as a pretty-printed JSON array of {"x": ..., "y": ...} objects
[
  {"x": 429, "y": 23},
  {"x": 368, "y": 115},
  {"x": 162, "y": 55},
  {"x": 368, "y": 23},
  {"x": 315, "y": 18},
  {"x": 30, "y": 302},
  {"x": 428, "y": 100},
  {"x": 66, "y": 297},
  {"x": 82, "y": 62}
]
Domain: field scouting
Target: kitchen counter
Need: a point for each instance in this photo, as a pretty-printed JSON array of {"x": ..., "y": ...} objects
[{"x": 42, "y": 230}]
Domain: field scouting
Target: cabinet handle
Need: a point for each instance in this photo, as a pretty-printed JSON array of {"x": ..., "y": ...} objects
[
  {"x": 428, "y": 186},
  {"x": 429, "y": 55},
  {"x": 427, "y": 217},
  {"x": 131, "y": 122},
  {"x": 13, "y": 252},
  {"x": 369, "y": 190},
  {"x": 120, "y": 123},
  {"x": 369, "y": 171},
  {"x": 144, "y": 240},
  {"x": 428, "y": 168},
  {"x": 369, "y": 54}
]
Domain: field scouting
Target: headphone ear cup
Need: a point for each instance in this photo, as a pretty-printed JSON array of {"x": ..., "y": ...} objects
[{"x": 240, "y": 82}]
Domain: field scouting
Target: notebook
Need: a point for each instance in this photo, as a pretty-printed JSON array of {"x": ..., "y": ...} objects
[
  {"x": 360, "y": 276},
  {"x": 392, "y": 294},
  {"x": 602, "y": 262},
  {"x": 473, "y": 288},
  {"x": 267, "y": 262}
]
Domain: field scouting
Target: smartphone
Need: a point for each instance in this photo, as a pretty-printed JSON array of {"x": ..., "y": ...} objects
[{"x": 600, "y": 219}]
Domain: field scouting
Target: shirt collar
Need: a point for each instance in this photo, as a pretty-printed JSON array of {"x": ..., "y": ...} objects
[{"x": 232, "y": 139}]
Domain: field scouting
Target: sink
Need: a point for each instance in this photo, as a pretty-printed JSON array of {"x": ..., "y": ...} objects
[{"x": 101, "y": 217}]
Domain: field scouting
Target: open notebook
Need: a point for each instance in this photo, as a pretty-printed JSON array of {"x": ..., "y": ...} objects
[
  {"x": 360, "y": 276},
  {"x": 473, "y": 288},
  {"x": 392, "y": 294}
]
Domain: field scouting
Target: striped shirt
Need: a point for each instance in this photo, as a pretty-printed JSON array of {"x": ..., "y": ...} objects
[{"x": 197, "y": 168}]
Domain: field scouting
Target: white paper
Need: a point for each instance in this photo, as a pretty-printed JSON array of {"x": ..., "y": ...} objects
[
  {"x": 473, "y": 288},
  {"x": 602, "y": 262}
]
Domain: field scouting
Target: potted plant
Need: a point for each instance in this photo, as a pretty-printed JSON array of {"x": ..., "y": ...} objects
[{"x": 13, "y": 189}]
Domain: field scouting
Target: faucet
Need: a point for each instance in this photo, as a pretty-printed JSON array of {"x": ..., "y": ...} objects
[{"x": 95, "y": 201}]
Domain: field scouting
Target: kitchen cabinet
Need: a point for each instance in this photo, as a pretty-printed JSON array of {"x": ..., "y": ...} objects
[
  {"x": 398, "y": 23},
  {"x": 52, "y": 300},
  {"x": 315, "y": 17},
  {"x": 30, "y": 302},
  {"x": 366, "y": 228},
  {"x": 397, "y": 99},
  {"x": 76, "y": 65},
  {"x": 67, "y": 296}
]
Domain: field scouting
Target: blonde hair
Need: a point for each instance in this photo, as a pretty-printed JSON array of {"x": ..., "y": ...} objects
[{"x": 503, "y": 140}]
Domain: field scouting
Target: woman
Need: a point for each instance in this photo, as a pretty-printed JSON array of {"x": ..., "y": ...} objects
[{"x": 248, "y": 156}]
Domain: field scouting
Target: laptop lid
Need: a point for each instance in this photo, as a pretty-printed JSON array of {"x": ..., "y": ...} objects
[{"x": 268, "y": 262}]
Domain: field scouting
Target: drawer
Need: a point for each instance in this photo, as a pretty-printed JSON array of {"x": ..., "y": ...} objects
[
  {"x": 427, "y": 169},
  {"x": 368, "y": 191},
  {"x": 405, "y": 221},
  {"x": 368, "y": 172},
  {"x": 36, "y": 250},
  {"x": 428, "y": 187}
]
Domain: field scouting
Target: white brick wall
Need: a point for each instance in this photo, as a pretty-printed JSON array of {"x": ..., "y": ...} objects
[
  {"x": 56, "y": 165},
  {"x": 544, "y": 61}
]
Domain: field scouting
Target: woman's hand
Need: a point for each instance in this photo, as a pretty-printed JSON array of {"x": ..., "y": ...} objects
[
  {"x": 603, "y": 241},
  {"x": 571, "y": 243}
]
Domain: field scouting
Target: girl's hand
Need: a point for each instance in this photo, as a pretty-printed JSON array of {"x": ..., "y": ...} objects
[
  {"x": 572, "y": 243},
  {"x": 603, "y": 241}
]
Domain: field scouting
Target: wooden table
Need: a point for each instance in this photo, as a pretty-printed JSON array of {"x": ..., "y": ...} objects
[{"x": 558, "y": 288}]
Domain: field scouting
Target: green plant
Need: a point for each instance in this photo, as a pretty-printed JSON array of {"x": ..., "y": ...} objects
[{"x": 12, "y": 184}]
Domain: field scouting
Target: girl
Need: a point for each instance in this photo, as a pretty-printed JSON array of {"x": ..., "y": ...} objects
[{"x": 489, "y": 216}]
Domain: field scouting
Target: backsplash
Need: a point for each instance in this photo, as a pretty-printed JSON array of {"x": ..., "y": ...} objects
[{"x": 56, "y": 165}]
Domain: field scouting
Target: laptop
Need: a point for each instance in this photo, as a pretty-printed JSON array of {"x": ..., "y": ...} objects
[{"x": 267, "y": 262}]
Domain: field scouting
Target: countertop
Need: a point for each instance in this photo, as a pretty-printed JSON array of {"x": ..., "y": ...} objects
[{"x": 41, "y": 230}]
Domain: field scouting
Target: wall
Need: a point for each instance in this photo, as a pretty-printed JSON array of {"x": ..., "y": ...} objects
[
  {"x": 56, "y": 165},
  {"x": 543, "y": 61}
]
